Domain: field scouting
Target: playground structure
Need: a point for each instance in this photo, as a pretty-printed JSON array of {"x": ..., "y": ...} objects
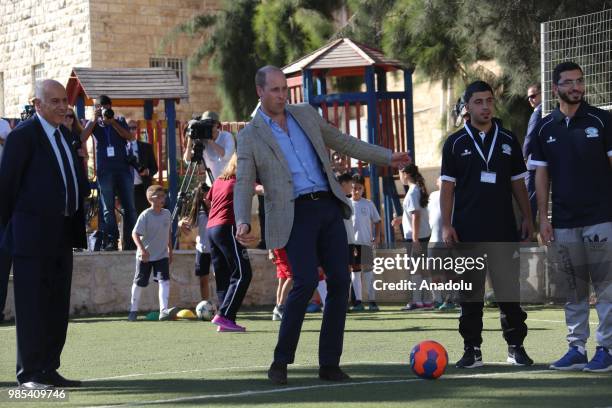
[
  {"x": 136, "y": 87},
  {"x": 388, "y": 115}
]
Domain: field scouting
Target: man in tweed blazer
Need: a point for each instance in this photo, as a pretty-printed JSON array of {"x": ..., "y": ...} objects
[{"x": 285, "y": 147}]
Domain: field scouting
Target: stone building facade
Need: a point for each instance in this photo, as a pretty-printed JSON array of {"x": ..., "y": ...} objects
[{"x": 47, "y": 39}]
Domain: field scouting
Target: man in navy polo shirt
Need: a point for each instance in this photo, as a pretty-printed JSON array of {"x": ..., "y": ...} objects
[
  {"x": 482, "y": 169},
  {"x": 573, "y": 149},
  {"x": 113, "y": 171},
  {"x": 534, "y": 96}
]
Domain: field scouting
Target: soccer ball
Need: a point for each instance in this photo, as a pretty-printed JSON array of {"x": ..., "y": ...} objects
[
  {"x": 428, "y": 359},
  {"x": 205, "y": 310}
]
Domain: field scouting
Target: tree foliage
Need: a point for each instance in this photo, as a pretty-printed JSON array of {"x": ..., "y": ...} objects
[
  {"x": 441, "y": 39},
  {"x": 246, "y": 34}
]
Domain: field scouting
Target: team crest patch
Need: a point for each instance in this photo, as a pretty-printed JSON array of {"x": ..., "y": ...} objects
[
  {"x": 591, "y": 132},
  {"x": 551, "y": 139},
  {"x": 507, "y": 149},
  {"x": 466, "y": 152}
]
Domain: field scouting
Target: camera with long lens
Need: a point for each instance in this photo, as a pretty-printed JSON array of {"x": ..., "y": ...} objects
[
  {"x": 201, "y": 129},
  {"x": 108, "y": 113},
  {"x": 28, "y": 112}
]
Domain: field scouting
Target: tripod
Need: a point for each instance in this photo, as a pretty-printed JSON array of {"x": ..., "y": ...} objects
[{"x": 185, "y": 194}]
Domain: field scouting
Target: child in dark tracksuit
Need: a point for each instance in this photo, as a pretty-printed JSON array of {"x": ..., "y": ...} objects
[{"x": 229, "y": 258}]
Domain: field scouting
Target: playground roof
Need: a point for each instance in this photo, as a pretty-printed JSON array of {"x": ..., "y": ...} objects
[
  {"x": 343, "y": 56},
  {"x": 125, "y": 86}
]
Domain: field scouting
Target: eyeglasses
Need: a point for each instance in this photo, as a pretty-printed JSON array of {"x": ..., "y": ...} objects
[
  {"x": 70, "y": 116},
  {"x": 533, "y": 96},
  {"x": 133, "y": 128},
  {"x": 569, "y": 82}
]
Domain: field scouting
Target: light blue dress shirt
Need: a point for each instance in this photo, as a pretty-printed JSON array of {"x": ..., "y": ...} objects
[{"x": 306, "y": 169}]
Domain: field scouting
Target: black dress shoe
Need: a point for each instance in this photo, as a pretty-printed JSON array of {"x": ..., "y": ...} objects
[
  {"x": 278, "y": 373},
  {"x": 332, "y": 373},
  {"x": 55, "y": 379},
  {"x": 33, "y": 385}
]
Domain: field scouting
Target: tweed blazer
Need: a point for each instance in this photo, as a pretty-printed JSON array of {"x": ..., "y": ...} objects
[{"x": 260, "y": 156}]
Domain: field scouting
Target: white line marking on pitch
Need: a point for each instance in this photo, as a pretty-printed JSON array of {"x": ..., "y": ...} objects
[
  {"x": 528, "y": 319},
  {"x": 555, "y": 321},
  {"x": 200, "y": 370},
  {"x": 307, "y": 387}
]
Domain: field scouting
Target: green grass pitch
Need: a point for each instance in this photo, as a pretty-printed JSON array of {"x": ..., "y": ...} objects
[{"x": 187, "y": 363}]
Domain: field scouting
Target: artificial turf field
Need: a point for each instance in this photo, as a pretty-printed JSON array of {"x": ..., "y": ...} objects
[{"x": 187, "y": 363}]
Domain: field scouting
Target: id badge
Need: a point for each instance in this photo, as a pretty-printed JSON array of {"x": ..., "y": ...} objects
[
  {"x": 488, "y": 177},
  {"x": 110, "y": 151}
]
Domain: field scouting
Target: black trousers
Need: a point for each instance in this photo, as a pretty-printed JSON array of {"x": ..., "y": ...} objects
[
  {"x": 261, "y": 214},
  {"x": 5, "y": 270},
  {"x": 317, "y": 238},
  {"x": 232, "y": 269},
  {"x": 42, "y": 304},
  {"x": 141, "y": 204},
  {"x": 502, "y": 264},
  {"x": 531, "y": 192},
  {"x": 140, "y": 199}
]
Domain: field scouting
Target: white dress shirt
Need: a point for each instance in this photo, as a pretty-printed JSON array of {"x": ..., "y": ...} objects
[{"x": 49, "y": 131}]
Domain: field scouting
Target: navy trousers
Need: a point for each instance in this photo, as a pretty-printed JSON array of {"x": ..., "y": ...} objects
[
  {"x": 5, "y": 270},
  {"x": 42, "y": 304},
  {"x": 318, "y": 238},
  {"x": 232, "y": 269},
  {"x": 531, "y": 192}
]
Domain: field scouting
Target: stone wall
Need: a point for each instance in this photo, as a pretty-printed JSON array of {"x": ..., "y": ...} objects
[
  {"x": 102, "y": 282},
  {"x": 126, "y": 33},
  {"x": 62, "y": 34},
  {"x": 55, "y": 33}
]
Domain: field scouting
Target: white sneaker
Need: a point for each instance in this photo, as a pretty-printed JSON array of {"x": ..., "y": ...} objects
[{"x": 277, "y": 314}]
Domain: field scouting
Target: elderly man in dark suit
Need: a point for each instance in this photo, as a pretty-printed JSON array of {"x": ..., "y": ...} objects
[
  {"x": 147, "y": 167},
  {"x": 41, "y": 213},
  {"x": 286, "y": 147}
]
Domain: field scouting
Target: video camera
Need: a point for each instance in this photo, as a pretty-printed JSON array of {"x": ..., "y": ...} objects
[{"x": 201, "y": 129}]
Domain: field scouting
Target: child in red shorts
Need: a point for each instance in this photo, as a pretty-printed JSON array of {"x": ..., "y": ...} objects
[{"x": 285, "y": 280}]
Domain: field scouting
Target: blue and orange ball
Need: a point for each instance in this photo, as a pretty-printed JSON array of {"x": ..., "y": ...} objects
[{"x": 428, "y": 359}]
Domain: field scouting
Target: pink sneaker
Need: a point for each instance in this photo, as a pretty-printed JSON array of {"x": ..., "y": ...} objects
[{"x": 227, "y": 324}]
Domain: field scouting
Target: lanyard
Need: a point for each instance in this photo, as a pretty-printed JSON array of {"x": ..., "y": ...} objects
[
  {"x": 488, "y": 159},
  {"x": 107, "y": 132}
]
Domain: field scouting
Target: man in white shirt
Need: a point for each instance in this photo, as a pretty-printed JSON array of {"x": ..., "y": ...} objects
[{"x": 218, "y": 150}]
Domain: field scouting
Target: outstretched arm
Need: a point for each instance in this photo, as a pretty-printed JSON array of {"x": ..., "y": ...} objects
[{"x": 359, "y": 149}]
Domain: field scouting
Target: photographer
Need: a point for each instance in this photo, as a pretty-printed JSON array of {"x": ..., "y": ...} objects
[
  {"x": 218, "y": 145},
  {"x": 144, "y": 167},
  {"x": 113, "y": 171}
]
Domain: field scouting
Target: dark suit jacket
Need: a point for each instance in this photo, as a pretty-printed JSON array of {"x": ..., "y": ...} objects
[
  {"x": 533, "y": 121},
  {"x": 33, "y": 194},
  {"x": 146, "y": 158}
]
